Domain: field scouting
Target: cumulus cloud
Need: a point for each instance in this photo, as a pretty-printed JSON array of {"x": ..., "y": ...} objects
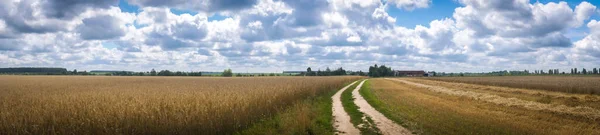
[
  {"x": 410, "y": 4},
  {"x": 66, "y": 9},
  {"x": 170, "y": 31},
  {"x": 100, "y": 27},
  {"x": 502, "y": 27},
  {"x": 9, "y": 45},
  {"x": 269, "y": 35},
  {"x": 35, "y": 16},
  {"x": 589, "y": 46},
  {"x": 197, "y": 5}
]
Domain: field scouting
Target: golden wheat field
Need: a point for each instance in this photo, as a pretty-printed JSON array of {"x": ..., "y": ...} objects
[
  {"x": 570, "y": 84},
  {"x": 149, "y": 105}
]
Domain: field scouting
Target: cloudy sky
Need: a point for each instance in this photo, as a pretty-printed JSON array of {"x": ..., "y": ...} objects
[{"x": 276, "y": 35}]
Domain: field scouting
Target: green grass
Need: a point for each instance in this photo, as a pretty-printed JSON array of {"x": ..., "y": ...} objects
[
  {"x": 356, "y": 117},
  {"x": 311, "y": 116},
  {"x": 424, "y": 118},
  {"x": 368, "y": 95}
]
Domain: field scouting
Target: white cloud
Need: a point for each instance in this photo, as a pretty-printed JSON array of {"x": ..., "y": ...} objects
[
  {"x": 197, "y": 5},
  {"x": 271, "y": 35},
  {"x": 501, "y": 28},
  {"x": 100, "y": 27},
  {"x": 583, "y": 12},
  {"x": 410, "y": 4},
  {"x": 588, "y": 48}
]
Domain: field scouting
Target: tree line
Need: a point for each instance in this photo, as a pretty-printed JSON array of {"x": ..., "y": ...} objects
[
  {"x": 574, "y": 71},
  {"x": 380, "y": 71},
  {"x": 34, "y": 70},
  {"x": 594, "y": 71},
  {"x": 154, "y": 73},
  {"x": 327, "y": 72}
]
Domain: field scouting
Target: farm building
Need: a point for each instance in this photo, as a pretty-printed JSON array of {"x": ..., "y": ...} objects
[{"x": 412, "y": 73}]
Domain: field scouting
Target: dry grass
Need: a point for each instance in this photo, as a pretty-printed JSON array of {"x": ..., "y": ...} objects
[
  {"x": 435, "y": 111},
  {"x": 149, "y": 105},
  {"x": 542, "y": 96},
  {"x": 570, "y": 84},
  {"x": 580, "y": 111}
]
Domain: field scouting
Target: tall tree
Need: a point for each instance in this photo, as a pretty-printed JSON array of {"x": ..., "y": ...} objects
[
  {"x": 227, "y": 73},
  {"x": 572, "y": 71},
  {"x": 153, "y": 72}
]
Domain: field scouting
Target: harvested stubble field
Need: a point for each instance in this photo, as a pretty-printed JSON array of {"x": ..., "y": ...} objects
[
  {"x": 438, "y": 107},
  {"x": 151, "y": 105},
  {"x": 570, "y": 84}
]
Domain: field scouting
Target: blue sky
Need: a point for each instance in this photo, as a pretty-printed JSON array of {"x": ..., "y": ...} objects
[
  {"x": 276, "y": 35},
  {"x": 438, "y": 10}
]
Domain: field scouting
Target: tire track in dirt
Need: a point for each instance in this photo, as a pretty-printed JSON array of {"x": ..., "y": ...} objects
[
  {"x": 341, "y": 119},
  {"x": 385, "y": 125},
  {"x": 582, "y": 111}
]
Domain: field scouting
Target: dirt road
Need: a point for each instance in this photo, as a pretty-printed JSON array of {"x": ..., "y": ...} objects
[
  {"x": 341, "y": 119},
  {"x": 385, "y": 125}
]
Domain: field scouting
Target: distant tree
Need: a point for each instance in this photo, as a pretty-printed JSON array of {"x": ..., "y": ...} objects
[
  {"x": 584, "y": 71},
  {"x": 153, "y": 72},
  {"x": 361, "y": 73},
  {"x": 373, "y": 71},
  {"x": 595, "y": 71},
  {"x": 227, "y": 73},
  {"x": 309, "y": 71},
  {"x": 195, "y": 74},
  {"x": 381, "y": 71},
  {"x": 272, "y": 74},
  {"x": 165, "y": 73},
  {"x": 339, "y": 71},
  {"x": 550, "y": 71},
  {"x": 575, "y": 71},
  {"x": 179, "y": 73}
]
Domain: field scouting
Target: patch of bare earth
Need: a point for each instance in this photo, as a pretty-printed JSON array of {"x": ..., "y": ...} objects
[
  {"x": 342, "y": 122},
  {"x": 385, "y": 125}
]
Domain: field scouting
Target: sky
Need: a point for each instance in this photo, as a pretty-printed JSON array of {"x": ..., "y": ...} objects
[{"x": 278, "y": 35}]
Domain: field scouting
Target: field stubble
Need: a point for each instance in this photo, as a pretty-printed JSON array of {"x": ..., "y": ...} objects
[
  {"x": 453, "y": 108},
  {"x": 142, "y": 105},
  {"x": 569, "y": 84}
]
